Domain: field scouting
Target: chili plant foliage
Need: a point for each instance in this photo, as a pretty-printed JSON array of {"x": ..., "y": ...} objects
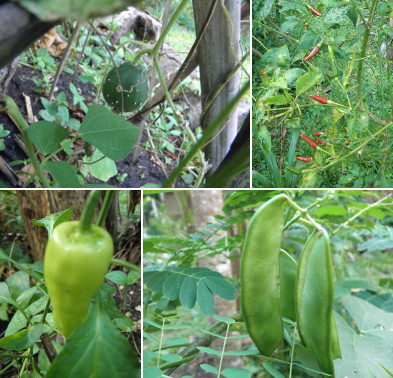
[{"x": 334, "y": 53}]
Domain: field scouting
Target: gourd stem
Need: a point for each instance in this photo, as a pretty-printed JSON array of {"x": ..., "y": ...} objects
[{"x": 89, "y": 211}]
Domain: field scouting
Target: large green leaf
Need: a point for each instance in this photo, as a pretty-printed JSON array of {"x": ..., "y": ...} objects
[
  {"x": 110, "y": 133},
  {"x": 47, "y": 135},
  {"x": 49, "y": 10},
  {"x": 102, "y": 168},
  {"x": 366, "y": 351},
  {"x": 63, "y": 173},
  {"x": 95, "y": 349}
]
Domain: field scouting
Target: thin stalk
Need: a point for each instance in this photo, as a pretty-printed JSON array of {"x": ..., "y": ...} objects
[
  {"x": 126, "y": 264},
  {"x": 206, "y": 136},
  {"x": 366, "y": 36},
  {"x": 7, "y": 104},
  {"x": 359, "y": 213}
]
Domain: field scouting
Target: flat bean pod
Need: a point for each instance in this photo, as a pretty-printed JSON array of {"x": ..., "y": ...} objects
[
  {"x": 288, "y": 274},
  {"x": 314, "y": 299},
  {"x": 259, "y": 272}
]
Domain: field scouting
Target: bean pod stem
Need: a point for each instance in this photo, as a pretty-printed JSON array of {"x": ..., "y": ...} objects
[{"x": 259, "y": 271}]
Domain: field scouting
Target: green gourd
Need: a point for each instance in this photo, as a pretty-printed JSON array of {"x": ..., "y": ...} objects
[{"x": 126, "y": 87}]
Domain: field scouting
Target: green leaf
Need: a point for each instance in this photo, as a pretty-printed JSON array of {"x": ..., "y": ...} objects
[
  {"x": 96, "y": 348},
  {"x": 274, "y": 372},
  {"x": 205, "y": 299},
  {"x": 292, "y": 76},
  {"x": 152, "y": 372},
  {"x": 19, "y": 321},
  {"x": 175, "y": 341},
  {"x": 5, "y": 296},
  {"x": 263, "y": 136},
  {"x": 23, "y": 339},
  {"x": 367, "y": 350},
  {"x": 221, "y": 287},
  {"x": 307, "y": 81},
  {"x": 276, "y": 100},
  {"x": 171, "y": 357},
  {"x": 111, "y": 134},
  {"x": 18, "y": 283},
  {"x": 224, "y": 319},
  {"x": 172, "y": 286},
  {"x": 63, "y": 173},
  {"x": 47, "y": 135},
  {"x": 267, "y": 6},
  {"x": 53, "y": 220},
  {"x": 209, "y": 368},
  {"x": 188, "y": 293},
  {"x": 103, "y": 168},
  {"x": 117, "y": 276},
  {"x": 156, "y": 281},
  {"x": 50, "y": 10},
  {"x": 132, "y": 277},
  {"x": 236, "y": 373},
  {"x": 209, "y": 351}
]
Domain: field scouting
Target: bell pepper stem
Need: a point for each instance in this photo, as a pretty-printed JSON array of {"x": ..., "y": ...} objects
[{"x": 89, "y": 211}]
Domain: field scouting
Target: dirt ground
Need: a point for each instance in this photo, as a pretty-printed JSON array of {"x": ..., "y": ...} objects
[{"x": 139, "y": 165}]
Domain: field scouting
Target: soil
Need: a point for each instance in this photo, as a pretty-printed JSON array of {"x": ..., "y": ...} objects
[{"x": 140, "y": 165}]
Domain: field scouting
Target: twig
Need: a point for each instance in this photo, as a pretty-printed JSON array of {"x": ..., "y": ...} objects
[{"x": 64, "y": 58}]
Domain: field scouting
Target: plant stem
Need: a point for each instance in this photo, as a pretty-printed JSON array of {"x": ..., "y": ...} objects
[
  {"x": 359, "y": 213},
  {"x": 105, "y": 207},
  {"x": 7, "y": 104},
  {"x": 89, "y": 211},
  {"x": 126, "y": 264},
  {"x": 367, "y": 31},
  {"x": 206, "y": 136}
]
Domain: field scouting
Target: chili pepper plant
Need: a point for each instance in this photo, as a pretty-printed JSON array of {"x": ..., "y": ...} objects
[
  {"x": 326, "y": 69},
  {"x": 314, "y": 278},
  {"x": 62, "y": 318}
]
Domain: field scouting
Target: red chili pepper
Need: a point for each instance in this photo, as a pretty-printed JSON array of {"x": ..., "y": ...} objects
[
  {"x": 306, "y": 26},
  {"x": 317, "y": 134},
  {"x": 301, "y": 158},
  {"x": 263, "y": 72},
  {"x": 314, "y": 11},
  {"x": 320, "y": 99},
  {"x": 320, "y": 141},
  {"x": 310, "y": 141},
  {"x": 312, "y": 53},
  {"x": 348, "y": 141}
]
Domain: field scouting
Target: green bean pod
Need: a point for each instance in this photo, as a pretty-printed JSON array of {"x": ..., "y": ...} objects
[
  {"x": 288, "y": 275},
  {"x": 336, "y": 350},
  {"x": 314, "y": 299},
  {"x": 259, "y": 272}
]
